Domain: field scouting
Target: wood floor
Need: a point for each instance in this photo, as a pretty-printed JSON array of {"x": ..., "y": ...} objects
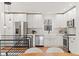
[
  {"x": 37, "y": 54},
  {"x": 13, "y": 50}
]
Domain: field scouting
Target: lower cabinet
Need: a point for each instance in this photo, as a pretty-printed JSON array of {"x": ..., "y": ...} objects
[
  {"x": 72, "y": 43},
  {"x": 52, "y": 41}
]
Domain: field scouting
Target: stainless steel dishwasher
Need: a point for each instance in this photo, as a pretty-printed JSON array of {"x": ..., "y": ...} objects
[{"x": 39, "y": 40}]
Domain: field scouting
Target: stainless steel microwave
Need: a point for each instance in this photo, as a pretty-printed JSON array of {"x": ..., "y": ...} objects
[{"x": 70, "y": 23}]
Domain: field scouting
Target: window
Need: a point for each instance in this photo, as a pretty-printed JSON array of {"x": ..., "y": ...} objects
[{"x": 48, "y": 25}]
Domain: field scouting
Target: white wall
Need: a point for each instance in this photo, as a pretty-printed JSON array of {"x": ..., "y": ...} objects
[
  {"x": 1, "y": 17},
  {"x": 76, "y": 49}
]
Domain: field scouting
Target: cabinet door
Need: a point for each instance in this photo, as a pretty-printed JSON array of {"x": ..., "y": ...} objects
[
  {"x": 20, "y": 17},
  {"x": 72, "y": 40},
  {"x": 35, "y": 21}
]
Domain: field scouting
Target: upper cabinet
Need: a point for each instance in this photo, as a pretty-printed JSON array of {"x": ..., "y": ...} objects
[
  {"x": 35, "y": 21},
  {"x": 59, "y": 21},
  {"x": 20, "y": 17}
]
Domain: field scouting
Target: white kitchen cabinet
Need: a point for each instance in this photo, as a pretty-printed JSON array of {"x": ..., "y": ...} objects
[
  {"x": 60, "y": 21},
  {"x": 59, "y": 41},
  {"x": 35, "y": 21},
  {"x": 72, "y": 43},
  {"x": 53, "y": 40},
  {"x": 20, "y": 17}
]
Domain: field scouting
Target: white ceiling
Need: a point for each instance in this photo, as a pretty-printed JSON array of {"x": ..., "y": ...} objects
[{"x": 43, "y": 7}]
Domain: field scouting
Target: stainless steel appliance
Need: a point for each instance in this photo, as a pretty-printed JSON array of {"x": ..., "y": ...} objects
[
  {"x": 66, "y": 43},
  {"x": 70, "y": 23},
  {"x": 39, "y": 41}
]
